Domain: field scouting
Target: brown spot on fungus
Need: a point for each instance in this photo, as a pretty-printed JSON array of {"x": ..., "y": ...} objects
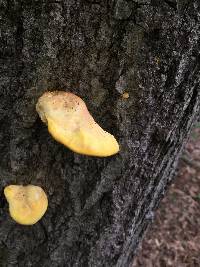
[{"x": 71, "y": 124}]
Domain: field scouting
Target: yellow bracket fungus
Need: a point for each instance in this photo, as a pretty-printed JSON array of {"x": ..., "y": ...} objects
[
  {"x": 125, "y": 95},
  {"x": 71, "y": 124},
  {"x": 27, "y": 204}
]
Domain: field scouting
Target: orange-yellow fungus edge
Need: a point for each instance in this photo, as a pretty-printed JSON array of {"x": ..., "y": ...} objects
[
  {"x": 27, "y": 204},
  {"x": 70, "y": 123}
]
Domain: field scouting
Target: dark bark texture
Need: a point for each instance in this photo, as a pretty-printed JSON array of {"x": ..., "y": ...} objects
[{"x": 98, "y": 208}]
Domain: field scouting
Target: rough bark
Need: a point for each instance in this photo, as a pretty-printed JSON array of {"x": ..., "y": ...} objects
[{"x": 99, "y": 208}]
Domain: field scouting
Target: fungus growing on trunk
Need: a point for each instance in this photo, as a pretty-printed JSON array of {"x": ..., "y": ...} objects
[
  {"x": 27, "y": 204},
  {"x": 71, "y": 124}
]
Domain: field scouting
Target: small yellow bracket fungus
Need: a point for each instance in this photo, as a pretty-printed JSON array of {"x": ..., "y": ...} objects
[
  {"x": 125, "y": 95},
  {"x": 71, "y": 124},
  {"x": 27, "y": 204}
]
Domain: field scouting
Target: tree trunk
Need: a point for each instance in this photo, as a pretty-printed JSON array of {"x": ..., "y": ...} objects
[{"x": 98, "y": 208}]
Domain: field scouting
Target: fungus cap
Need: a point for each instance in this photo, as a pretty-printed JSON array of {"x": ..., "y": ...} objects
[
  {"x": 27, "y": 204},
  {"x": 71, "y": 124},
  {"x": 125, "y": 95}
]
